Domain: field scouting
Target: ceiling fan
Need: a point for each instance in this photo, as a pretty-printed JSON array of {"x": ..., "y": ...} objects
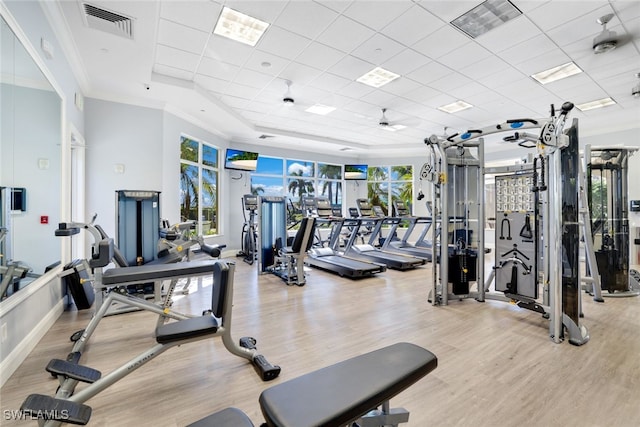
[{"x": 392, "y": 125}]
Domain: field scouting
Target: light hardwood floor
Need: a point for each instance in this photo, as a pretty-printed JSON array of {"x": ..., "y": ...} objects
[{"x": 497, "y": 364}]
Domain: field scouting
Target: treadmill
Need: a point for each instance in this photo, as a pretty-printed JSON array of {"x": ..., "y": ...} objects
[
  {"x": 402, "y": 246},
  {"x": 328, "y": 258},
  {"x": 368, "y": 252}
]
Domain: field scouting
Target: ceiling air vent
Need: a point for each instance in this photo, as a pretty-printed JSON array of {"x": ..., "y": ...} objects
[{"x": 105, "y": 20}]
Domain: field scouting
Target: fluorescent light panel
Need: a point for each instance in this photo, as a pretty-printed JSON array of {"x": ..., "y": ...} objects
[
  {"x": 240, "y": 27},
  {"x": 377, "y": 77},
  {"x": 598, "y": 103},
  {"x": 557, "y": 73},
  {"x": 485, "y": 17},
  {"x": 393, "y": 128},
  {"x": 320, "y": 109},
  {"x": 454, "y": 107}
]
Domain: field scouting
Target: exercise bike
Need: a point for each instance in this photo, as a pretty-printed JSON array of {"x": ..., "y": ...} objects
[{"x": 249, "y": 231}]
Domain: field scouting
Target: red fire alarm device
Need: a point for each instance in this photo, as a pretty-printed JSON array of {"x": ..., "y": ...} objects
[{"x": 44, "y": 219}]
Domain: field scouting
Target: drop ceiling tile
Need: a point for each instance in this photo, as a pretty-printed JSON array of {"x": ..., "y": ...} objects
[
  {"x": 305, "y": 18},
  {"x": 329, "y": 82},
  {"x": 345, "y": 34},
  {"x": 211, "y": 83},
  {"x": 448, "y": 10},
  {"x": 449, "y": 82},
  {"x": 505, "y": 76},
  {"x": 266, "y": 11},
  {"x": 405, "y": 62},
  {"x": 181, "y": 37},
  {"x": 336, "y": 100},
  {"x": 227, "y": 50},
  {"x": 422, "y": 94},
  {"x": 299, "y": 74},
  {"x": 609, "y": 62},
  {"x": 377, "y": 49},
  {"x": 378, "y": 97},
  {"x": 234, "y": 102},
  {"x": 220, "y": 70},
  {"x": 282, "y": 42},
  {"x": 275, "y": 63},
  {"x": 201, "y": 15},
  {"x": 533, "y": 47},
  {"x": 176, "y": 58},
  {"x": 376, "y": 14},
  {"x": 627, "y": 10},
  {"x": 401, "y": 86},
  {"x": 319, "y": 56},
  {"x": 464, "y": 55},
  {"x": 553, "y": 14},
  {"x": 363, "y": 108},
  {"x": 356, "y": 90},
  {"x": 516, "y": 90},
  {"x": 172, "y": 72},
  {"x": 252, "y": 78},
  {"x": 484, "y": 68},
  {"x": 351, "y": 67},
  {"x": 429, "y": 73},
  {"x": 543, "y": 62},
  {"x": 439, "y": 100},
  {"x": 337, "y": 5},
  {"x": 442, "y": 41},
  {"x": 241, "y": 91},
  {"x": 580, "y": 28},
  {"x": 465, "y": 91},
  {"x": 413, "y": 25},
  {"x": 509, "y": 34}
]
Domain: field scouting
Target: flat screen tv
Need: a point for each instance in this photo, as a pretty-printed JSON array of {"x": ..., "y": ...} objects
[
  {"x": 240, "y": 160},
  {"x": 355, "y": 172}
]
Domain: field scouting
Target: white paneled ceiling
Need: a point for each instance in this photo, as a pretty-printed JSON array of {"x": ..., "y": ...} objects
[{"x": 322, "y": 47}]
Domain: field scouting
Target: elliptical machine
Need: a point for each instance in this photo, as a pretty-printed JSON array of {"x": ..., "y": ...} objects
[{"x": 249, "y": 231}]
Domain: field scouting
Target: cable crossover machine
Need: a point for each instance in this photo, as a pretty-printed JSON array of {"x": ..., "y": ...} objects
[{"x": 537, "y": 225}]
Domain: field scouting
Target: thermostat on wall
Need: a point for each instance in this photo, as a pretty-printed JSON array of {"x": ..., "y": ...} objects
[{"x": 635, "y": 206}]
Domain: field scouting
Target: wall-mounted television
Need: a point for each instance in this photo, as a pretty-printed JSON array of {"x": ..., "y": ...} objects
[
  {"x": 355, "y": 172},
  {"x": 240, "y": 160}
]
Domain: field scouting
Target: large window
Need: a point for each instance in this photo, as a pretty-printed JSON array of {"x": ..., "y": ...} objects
[
  {"x": 385, "y": 184},
  {"x": 296, "y": 179},
  {"x": 199, "y": 184}
]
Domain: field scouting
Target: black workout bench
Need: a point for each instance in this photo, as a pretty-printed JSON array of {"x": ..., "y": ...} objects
[{"x": 349, "y": 391}]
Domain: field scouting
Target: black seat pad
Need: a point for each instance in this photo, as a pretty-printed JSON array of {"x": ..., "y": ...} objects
[
  {"x": 148, "y": 272},
  {"x": 228, "y": 417},
  {"x": 342, "y": 393},
  {"x": 186, "y": 329}
]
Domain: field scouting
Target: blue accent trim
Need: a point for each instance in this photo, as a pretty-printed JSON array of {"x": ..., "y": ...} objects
[
  {"x": 516, "y": 125},
  {"x": 465, "y": 135}
]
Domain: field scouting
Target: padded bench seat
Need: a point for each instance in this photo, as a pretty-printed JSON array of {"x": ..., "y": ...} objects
[
  {"x": 150, "y": 273},
  {"x": 342, "y": 393},
  {"x": 228, "y": 417}
]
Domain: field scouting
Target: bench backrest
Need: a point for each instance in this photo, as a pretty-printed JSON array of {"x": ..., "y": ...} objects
[{"x": 222, "y": 275}]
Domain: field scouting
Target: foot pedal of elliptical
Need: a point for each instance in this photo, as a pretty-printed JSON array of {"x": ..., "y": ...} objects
[
  {"x": 248, "y": 342},
  {"x": 49, "y": 408},
  {"x": 74, "y": 371},
  {"x": 266, "y": 370}
]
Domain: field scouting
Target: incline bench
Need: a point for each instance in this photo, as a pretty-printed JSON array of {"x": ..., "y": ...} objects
[{"x": 340, "y": 394}]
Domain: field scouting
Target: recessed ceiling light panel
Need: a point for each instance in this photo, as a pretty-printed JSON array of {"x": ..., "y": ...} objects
[
  {"x": 378, "y": 77},
  {"x": 239, "y": 27},
  {"x": 598, "y": 103},
  {"x": 323, "y": 110},
  {"x": 485, "y": 17},
  {"x": 557, "y": 73},
  {"x": 454, "y": 107}
]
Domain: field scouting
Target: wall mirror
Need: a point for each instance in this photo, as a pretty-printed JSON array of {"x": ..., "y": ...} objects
[{"x": 30, "y": 167}]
